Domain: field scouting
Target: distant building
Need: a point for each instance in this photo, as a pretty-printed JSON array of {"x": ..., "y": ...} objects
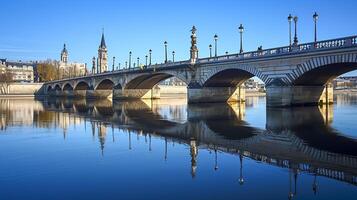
[
  {"x": 67, "y": 69},
  {"x": 102, "y": 56},
  {"x": 21, "y": 71},
  {"x": 345, "y": 82},
  {"x": 173, "y": 82}
]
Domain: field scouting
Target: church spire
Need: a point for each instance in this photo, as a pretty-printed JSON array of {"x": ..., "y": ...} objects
[
  {"x": 102, "y": 42},
  {"x": 64, "y": 50},
  {"x": 64, "y": 54}
]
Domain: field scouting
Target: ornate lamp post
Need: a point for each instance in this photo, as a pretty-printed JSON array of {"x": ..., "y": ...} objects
[
  {"x": 113, "y": 63},
  {"x": 290, "y": 19},
  {"x": 215, "y": 37},
  {"x": 296, "y": 41},
  {"x": 165, "y": 43},
  {"x": 315, "y": 17},
  {"x": 93, "y": 65},
  {"x": 130, "y": 59},
  {"x": 146, "y": 60},
  {"x": 210, "y": 50},
  {"x": 173, "y": 56},
  {"x": 241, "y": 30},
  {"x": 138, "y": 59},
  {"x": 150, "y": 52}
]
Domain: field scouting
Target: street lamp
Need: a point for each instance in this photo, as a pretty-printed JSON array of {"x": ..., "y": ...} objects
[
  {"x": 227, "y": 54},
  {"x": 210, "y": 50},
  {"x": 295, "y": 35},
  {"x": 290, "y": 19},
  {"x": 113, "y": 63},
  {"x": 150, "y": 51},
  {"x": 165, "y": 43},
  {"x": 146, "y": 60},
  {"x": 130, "y": 59},
  {"x": 315, "y": 17},
  {"x": 215, "y": 37},
  {"x": 138, "y": 59},
  {"x": 241, "y": 30},
  {"x": 173, "y": 56}
]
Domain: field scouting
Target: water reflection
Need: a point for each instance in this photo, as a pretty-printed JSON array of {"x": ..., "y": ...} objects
[{"x": 299, "y": 139}]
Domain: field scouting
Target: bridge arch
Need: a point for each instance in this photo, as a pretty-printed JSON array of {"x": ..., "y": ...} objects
[
  {"x": 49, "y": 88},
  {"x": 106, "y": 84},
  {"x": 229, "y": 76},
  {"x": 320, "y": 70},
  {"x": 57, "y": 87},
  {"x": 67, "y": 87},
  {"x": 148, "y": 81},
  {"x": 82, "y": 85}
]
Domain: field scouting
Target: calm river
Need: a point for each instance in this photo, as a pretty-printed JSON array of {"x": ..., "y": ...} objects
[{"x": 166, "y": 149}]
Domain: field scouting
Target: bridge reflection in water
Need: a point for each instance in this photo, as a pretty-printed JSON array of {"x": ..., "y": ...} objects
[{"x": 299, "y": 139}]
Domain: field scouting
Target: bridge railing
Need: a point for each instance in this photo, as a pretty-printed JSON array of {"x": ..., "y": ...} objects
[{"x": 295, "y": 49}]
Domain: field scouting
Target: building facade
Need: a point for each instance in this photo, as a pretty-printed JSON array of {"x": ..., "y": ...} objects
[
  {"x": 20, "y": 71},
  {"x": 67, "y": 69}
]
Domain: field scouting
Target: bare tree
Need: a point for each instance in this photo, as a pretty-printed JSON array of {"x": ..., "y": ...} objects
[{"x": 6, "y": 77}]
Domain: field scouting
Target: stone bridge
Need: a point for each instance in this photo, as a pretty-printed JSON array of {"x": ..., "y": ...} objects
[{"x": 293, "y": 75}]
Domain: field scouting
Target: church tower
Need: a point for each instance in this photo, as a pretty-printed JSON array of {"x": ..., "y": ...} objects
[
  {"x": 102, "y": 56},
  {"x": 64, "y": 55}
]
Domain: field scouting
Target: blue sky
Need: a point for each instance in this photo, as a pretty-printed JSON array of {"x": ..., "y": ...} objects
[{"x": 37, "y": 29}]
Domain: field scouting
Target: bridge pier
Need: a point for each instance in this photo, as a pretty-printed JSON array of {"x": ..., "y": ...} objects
[
  {"x": 122, "y": 94},
  {"x": 99, "y": 94},
  {"x": 215, "y": 94},
  {"x": 68, "y": 93},
  {"x": 80, "y": 93},
  {"x": 284, "y": 96}
]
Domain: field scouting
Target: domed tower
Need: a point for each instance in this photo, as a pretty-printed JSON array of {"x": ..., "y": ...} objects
[
  {"x": 64, "y": 54},
  {"x": 102, "y": 55}
]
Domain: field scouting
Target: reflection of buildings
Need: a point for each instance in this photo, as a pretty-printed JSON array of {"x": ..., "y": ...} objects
[{"x": 14, "y": 112}]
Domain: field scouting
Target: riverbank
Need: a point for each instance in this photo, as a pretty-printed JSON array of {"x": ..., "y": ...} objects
[
  {"x": 344, "y": 91},
  {"x": 20, "y": 89}
]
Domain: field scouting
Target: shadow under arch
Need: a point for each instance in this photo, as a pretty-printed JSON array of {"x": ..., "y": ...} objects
[
  {"x": 82, "y": 85},
  {"x": 105, "y": 84},
  {"x": 57, "y": 88},
  {"x": 148, "y": 81},
  {"x": 49, "y": 88},
  {"x": 323, "y": 74},
  {"x": 228, "y": 78},
  {"x": 67, "y": 87}
]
